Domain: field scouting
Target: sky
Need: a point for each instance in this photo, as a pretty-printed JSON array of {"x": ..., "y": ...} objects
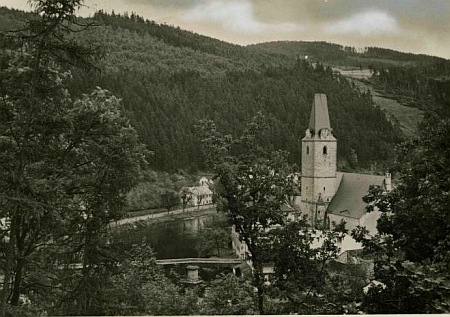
[{"x": 416, "y": 26}]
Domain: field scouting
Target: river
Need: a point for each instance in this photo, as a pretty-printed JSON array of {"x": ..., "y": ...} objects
[{"x": 170, "y": 239}]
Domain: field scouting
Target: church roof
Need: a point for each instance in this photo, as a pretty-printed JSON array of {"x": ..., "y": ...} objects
[
  {"x": 319, "y": 114},
  {"x": 347, "y": 201}
]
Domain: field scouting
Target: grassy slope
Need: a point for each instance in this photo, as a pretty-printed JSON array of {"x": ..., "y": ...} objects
[{"x": 408, "y": 117}]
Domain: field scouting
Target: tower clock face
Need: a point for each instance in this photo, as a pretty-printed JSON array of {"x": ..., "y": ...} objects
[{"x": 324, "y": 133}]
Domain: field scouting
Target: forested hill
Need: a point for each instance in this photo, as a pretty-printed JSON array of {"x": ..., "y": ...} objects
[
  {"x": 169, "y": 79},
  {"x": 415, "y": 80},
  {"x": 339, "y": 55}
]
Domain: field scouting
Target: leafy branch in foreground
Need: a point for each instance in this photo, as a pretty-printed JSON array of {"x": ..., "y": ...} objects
[
  {"x": 65, "y": 167},
  {"x": 252, "y": 188},
  {"x": 412, "y": 249}
]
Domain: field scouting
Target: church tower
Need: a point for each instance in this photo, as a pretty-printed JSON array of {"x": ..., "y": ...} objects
[{"x": 319, "y": 148}]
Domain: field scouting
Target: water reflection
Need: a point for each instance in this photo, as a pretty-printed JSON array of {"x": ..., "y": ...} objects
[{"x": 170, "y": 239}]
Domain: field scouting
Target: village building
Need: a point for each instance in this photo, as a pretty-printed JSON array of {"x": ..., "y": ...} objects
[
  {"x": 206, "y": 182},
  {"x": 199, "y": 195}
]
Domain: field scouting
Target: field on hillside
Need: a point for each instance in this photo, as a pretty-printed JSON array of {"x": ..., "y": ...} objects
[{"x": 407, "y": 117}]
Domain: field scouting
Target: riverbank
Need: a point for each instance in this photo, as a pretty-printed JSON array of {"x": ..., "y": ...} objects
[
  {"x": 171, "y": 235},
  {"x": 167, "y": 216}
]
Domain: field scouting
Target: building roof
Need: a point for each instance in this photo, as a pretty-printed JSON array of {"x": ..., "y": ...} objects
[
  {"x": 347, "y": 201},
  {"x": 200, "y": 190},
  {"x": 245, "y": 269},
  {"x": 319, "y": 114}
]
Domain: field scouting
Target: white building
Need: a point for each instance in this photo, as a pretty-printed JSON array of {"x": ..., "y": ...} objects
[{"x": 199, "y": 195}]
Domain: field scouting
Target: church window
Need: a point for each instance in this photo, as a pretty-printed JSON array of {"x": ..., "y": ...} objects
[
  {"x": 325, "y": 150},
  {"x": 307, "y": 150},
  {"x": 324, "y": 189}
]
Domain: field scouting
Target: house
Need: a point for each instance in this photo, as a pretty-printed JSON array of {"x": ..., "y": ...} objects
[
  {"x": 206, "y": 182},
  {"x": 198, "y": 195},
  {"x": 327, "y": 196}
]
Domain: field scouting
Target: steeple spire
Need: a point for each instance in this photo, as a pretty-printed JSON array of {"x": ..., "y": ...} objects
[{"x": 319, "y": 114}]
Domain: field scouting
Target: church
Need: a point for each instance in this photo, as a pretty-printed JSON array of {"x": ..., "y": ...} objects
[{"x": 327, "y": 196}]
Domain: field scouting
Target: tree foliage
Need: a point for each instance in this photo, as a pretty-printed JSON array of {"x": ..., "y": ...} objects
[
  {"x": 212, "y": 239},
  {"x": 412, "y": 247},
  {"x": 66, "y": 166},
  {"x": 228, "y": 295},
  {"x": 302, "y": 273},
  {"x": 169, "y": 200},
  {"x": 253, "y": 186},
  {"x": 141, "y": 287},
  {"x": 185, "y": 196},
  {"x": 169, "y": 79}
]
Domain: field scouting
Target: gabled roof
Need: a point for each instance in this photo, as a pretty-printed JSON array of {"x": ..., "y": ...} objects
[
  {"x": 347, "y": 201},
  {"x": 199, "y": 190},
  {"x": 319, "y": 114}
]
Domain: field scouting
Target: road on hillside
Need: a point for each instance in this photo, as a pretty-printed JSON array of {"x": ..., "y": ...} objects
[{"x": 158, "y": 215}]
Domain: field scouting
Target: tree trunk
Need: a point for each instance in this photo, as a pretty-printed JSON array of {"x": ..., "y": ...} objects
[
  {"x": 20, "y": 246},
  {"x": 89, "y": 258},
  {"x": 260, "y": 300},
  {"x": 218, "y": 247},
  {"x": 7, "y": 277},
  {"x": 259, "y": 286},
  {"x": 258, "y": 276},
  {"x": 259, "y": 281},
  {"x": 10, "y": 257},
  {"x": 17, "y": 281}
]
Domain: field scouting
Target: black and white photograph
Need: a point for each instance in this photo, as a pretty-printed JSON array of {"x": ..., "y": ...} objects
[{"x": 224, "y": 157}]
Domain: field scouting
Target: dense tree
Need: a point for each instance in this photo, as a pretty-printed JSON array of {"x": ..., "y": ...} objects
[
  {"x": 374, "y": 58},
  {"x": 185, "y": 196},
  {"x": 412, "y": 247},
  {"x": 301, "y": 257},
  {"x": 169, "y": 79},
  {"x": 307, "y": 279},
  {"x": 68, "y": 159},
  {"x": 169, "y": 200},
  {"x": 252, "y": 187},
  {"x": 147, "y": 194},
  {"x": 140, "y": 287},
  {"x": 211, "y": 239},
  {"x": 66, "y": 164},
  {"x": 228, "y": 295}
]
